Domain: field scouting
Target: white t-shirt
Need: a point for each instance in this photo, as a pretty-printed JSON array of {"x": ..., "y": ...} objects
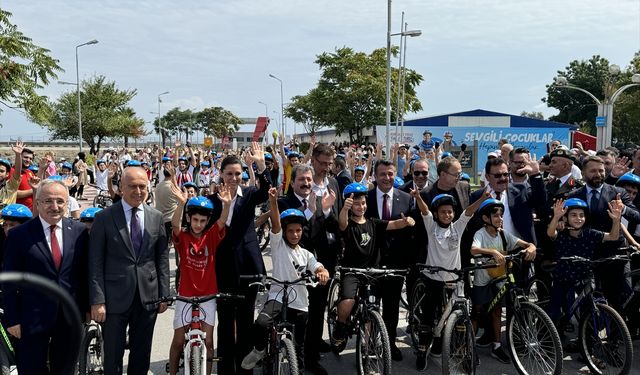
[
  {"x": 443, "y": 248},
  {"x": 290, "y": 264},
  {"x": 483, "y": 239},
  {"x": 73, "y": 205},
  {"x": 101, "y": 179}
]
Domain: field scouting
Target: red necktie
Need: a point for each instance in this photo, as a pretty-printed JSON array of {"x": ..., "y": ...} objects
[
  {"x": 55, "y": 248},
  {"x": 386, "y": 215}
]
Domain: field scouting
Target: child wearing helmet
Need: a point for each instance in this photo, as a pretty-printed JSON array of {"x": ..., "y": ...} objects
[
  {"x": 493, "y": 241},
  {"x": 575, "y": 239},
  {"x": 443, "y": 249},
  {"x": 13, "y": 215},
  {"x": 289, "y": 260},
  {"x": 196, "y": 245},
  {"x": 88, "y": 215},
  {"x": 361, "y": 249}
]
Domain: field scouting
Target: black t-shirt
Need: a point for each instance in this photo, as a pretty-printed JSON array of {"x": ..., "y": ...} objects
[{"x": 362, "y": 243}]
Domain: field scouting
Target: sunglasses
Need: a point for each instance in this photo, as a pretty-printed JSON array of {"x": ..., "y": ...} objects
[
  {"x": 498, "y": 175},
  {"x": 421, "y": 173}
]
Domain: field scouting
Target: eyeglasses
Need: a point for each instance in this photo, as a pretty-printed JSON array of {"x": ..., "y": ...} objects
[
  {"x": 421, "y": 173},
  {"x": 498, "y": 175},
  {"x": 324, "y": 163},
  {"x": 456, "y": 175},
  {"x": 50, "y": 202}
]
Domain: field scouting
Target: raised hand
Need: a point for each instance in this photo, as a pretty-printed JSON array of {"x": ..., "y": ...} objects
[
  {"x": 558, "y": 209},
  {"x": 615, "y": 208},
  {"x": 18, "y": 147},
  {"x": 531, "y": 166},
  {"x": 408, "y": 221},
  {"x": 34, "y": 182},
  {"x": 620, "y": 167},
  {"x": 224, "y": 194},
  {"x": 180, "y": 194},
  {"x": 273, "y": 195},
  {"x": 257, "y": 155},
  {"x": 328, "y": 199},
  {"x": 348, "y": 203},
  {"x": 311, "y": 201}
]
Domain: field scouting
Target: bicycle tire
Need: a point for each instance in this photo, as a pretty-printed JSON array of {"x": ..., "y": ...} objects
[
  {"x": 332, "y": 308},
  {"x": 264, "y": 239},
  {"x": 533, "y": 341},
  {"x": 418, "y": 293},
  {"x": 538, "y": 292},
  {"x": 287, "y": 359},
  {"x": 376, "y": 339},
  {"x": 90, "y": 360},
  {"x": 195, "y": 360},
  {"x": 594, "y": 349},
  {"x": 458, "y": 345}
]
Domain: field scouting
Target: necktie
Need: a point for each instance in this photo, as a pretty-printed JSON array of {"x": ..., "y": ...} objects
[
  {"x": 498, "y": 195},
  {"x": 136, "y": 236},
  {"x": 55, "y": 248},
  {"x": 304, "y": 205},
  {"x": 386, "y": 215},
  {"x": 593, "y": 203}
]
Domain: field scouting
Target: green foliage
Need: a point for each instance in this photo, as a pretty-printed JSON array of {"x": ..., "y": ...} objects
[
  {"x": 218, "y": 122},
  {"x": 105, "y": 113},
  {"x": 351, "y": 93},
  {"x": 177, "y": 121},
  {"x": 24, "y": 69},
  {"x": 535, "y": 115}
]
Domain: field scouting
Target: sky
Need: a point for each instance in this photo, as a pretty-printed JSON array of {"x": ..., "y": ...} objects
[{"x": 496, "y": 55}]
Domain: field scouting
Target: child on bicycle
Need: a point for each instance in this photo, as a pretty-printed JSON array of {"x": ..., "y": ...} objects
[
  {"x": 290, "y": 261},
  {"x": 443, "y": 249},
  {"x": 361, "y": 250},
  {"x": 493, "y": 241},
  {"x": 197, "y": 248},
  {"x": 575, "y": 240}
]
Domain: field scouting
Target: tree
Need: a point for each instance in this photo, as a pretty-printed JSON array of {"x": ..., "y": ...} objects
[
  {"x": 218, "y": 122},
  {"x": 626, "y": 112},
  {"x": 351, "y": 93},
  {"x": 105, "y": 113},
  {"x": 535, "y": 115},
  {"x": 177, "y": 121},
  {"x": 24, "y": 69}
]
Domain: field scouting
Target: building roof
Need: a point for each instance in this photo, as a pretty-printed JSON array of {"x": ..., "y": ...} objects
[{"x": 489, "y": 119}]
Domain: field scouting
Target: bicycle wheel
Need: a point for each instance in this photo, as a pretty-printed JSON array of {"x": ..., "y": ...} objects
[
  {"x": 458, "y": 345},
  {"x": 605, "y": 342},
  {"x": 373, "y": 353},
  {"x": 415, "y": 325},
  {"x": 287, "y": 359},
  {"x": 538, "y": 292},
  {"x": 90, "y": 360},
  {"x": 332, "y": 310},
  {"x": 533, "y": 341},
  {"x": 263, "y": 235},
  {"x": 195, "y": 360}
]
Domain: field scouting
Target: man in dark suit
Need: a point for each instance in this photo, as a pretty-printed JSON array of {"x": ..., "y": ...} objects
[
  {"x": 238, "y": 254},
  {"x": 386, "y": 203},
  {"x": 598, "y": 194},
  {"x": 448, "y": 182},
  {"x": 55, "y": 248},
  {"x": 341, "y": 174},
  {"x": 128, "y": 267}
]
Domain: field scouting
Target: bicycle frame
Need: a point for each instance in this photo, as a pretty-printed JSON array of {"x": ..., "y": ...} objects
[
  {"x": 195, "y": 336},
  {"x": 457, "y": 301}
]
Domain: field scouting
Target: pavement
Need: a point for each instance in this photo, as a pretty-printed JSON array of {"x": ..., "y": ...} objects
[{"x": 345, "y": 362}]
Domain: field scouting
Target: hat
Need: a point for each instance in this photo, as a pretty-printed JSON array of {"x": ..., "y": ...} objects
[
  {"x": 563, "y": 153},
  {"x": 493, "y": 154}
]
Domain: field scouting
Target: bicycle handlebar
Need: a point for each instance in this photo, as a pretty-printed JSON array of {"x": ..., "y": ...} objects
[
  {"x": 195, "y": 300},
  {"x": 265, "y": 279},
  {"x": 374, "y": 271},
  {"x": 579, "y": 259}
]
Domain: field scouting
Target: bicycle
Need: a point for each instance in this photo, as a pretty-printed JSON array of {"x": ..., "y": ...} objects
[
  {"x": 603, "y": 337},
  {"x": 532, "y": 338},
  {"x": 263, "y": 227},
  {"x": 373, "y": 351},
  {"x": 280, "y": 353},
  {"x": 454, "y": 325},
  {"x": 90, "y": 360},
  {"x": 102, "y": 199},
  {"x": 194, "y": 352},
  {"x": 7, "y": 353}
]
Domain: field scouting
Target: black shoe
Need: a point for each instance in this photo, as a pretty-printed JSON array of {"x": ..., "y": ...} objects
[
  {"x": 421, "y": 361},
  {"x": 323, "y": 347},
  {"x": 571, "y": 346},
  {"x": 484, "y": 341},
  {"x": 315, "y": 368},
  {"x": 499, "y": 354},
  {"x": 396, "y": 354},
  {"x": 436, "y": 348}
]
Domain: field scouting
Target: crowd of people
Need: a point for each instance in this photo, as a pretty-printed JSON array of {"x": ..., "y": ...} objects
[{"x": 329, "y": 205}]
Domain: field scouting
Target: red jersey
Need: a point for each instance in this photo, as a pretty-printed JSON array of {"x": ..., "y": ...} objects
[
  {"x": 198, "y": 261},
  {"x": 24, "y": 185}
]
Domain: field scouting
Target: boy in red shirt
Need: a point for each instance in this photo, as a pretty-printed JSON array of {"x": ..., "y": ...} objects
[{"x": 196, "y": 247}]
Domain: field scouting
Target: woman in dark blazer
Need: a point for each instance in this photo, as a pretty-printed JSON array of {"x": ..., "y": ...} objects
[{"x": 238, "y": 254}]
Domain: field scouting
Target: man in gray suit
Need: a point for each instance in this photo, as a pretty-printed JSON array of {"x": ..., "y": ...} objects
[{"x": 128, "y": 266}]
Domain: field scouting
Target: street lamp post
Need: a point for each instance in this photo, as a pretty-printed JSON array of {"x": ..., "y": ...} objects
[
  {"x": 266, "y": 108},
  {"x": 94, "y": 41},
  {"x": 160, "y": 118},
  {"x": 605, "y": 107},
  {"x": 281, "y": 104}
]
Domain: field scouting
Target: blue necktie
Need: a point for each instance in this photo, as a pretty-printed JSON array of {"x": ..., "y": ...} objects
[
  {"x": 136, "y": 236},
  {"x": 593, "y": 203}
]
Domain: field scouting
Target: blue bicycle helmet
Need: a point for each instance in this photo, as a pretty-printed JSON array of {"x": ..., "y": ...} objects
[
  {"x": 354, "y": 188},
  {"x": 89, "y": 213},
  {"x": 55, "y": 177},
  {"x": 67, "y": 166},
  {"x": 33, "y": 168},
  {"x": 268, "y": 156},
  {"x": 291, "y": 216},
  {"x": 488, "y": 205},
  {"x": 17, "y": 212},
  {"x": 443, "y": 200},
  {"x": 465, "y": 177},
  {"x": 397, "y": 182},
  {"x": 200, "y": 205},
  {"x": 572, "y": 203},
  {"x": 293, "y": 154},
  {"x": 100, "y": 161},
  {"x": 166, "y": 159},
  {"x": 629, "y": 179},
  {"x": 245, "y": 176},
  {"x": 205, "y": 164},
  {"x": 445, "y": 154},
  {"x": 6, "y": 163},
  {"x": 359, "y": 168},
  {"x": 189, "y": 185},
  {"x": 183, "y": 158},
  {"x": 134, "y": 163}
]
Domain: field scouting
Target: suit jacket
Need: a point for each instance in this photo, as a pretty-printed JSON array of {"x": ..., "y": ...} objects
[
  {"x": 556, "y": 191},
  {"x": 343, "y": 179},
  {"x": 397, "y": 249},
  {"x": 238, "y": 252},
  {"x": 462, "y": 190},
  {"x": 27, "y": 251},
  {"x": 598, "y": 218},
  {"x": 115, "y": 272}
]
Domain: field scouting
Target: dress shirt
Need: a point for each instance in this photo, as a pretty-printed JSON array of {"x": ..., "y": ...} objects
[
  {"x": 232, "y": 206},
  {"x": 47, "y": 234}
]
